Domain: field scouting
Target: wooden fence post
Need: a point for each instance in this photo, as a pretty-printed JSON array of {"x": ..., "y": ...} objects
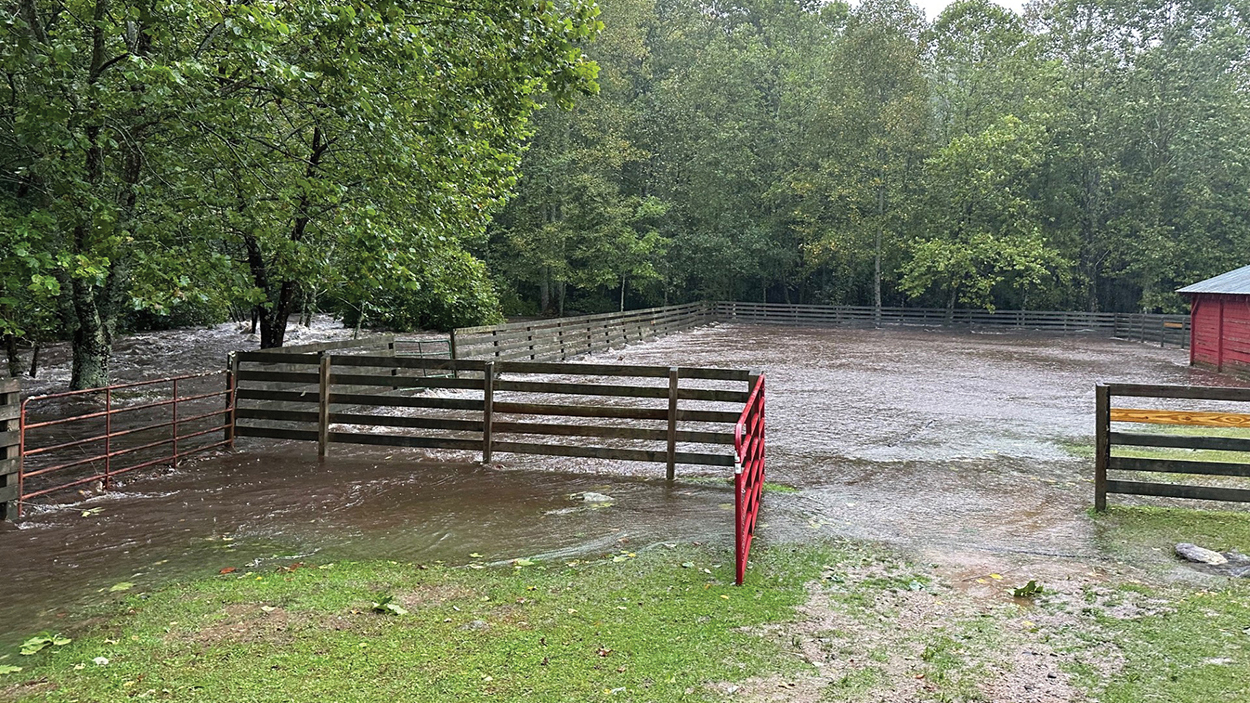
[
  {"x": 390, "y": 348},
  {"x": 488, "y": 408},
  {"x": 672, "y": 424},
  {"x": 232, "y": 381},
  {"x": 323, "y": 405},
  {"x": 10, "y": 449},
  {"x": 1102, "y": 445}
]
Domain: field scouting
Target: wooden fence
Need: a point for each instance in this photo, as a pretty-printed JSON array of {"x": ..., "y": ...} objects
[
  {"x": 10, "y": 441},
  {"x": 567, "y": 337},
  {"x": 1221, "y": 449},
  {"x": 1161, "y": 329},
  {"x": 488, "y": 407}
]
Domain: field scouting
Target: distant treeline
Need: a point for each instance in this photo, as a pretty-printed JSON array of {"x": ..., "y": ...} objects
[{"x": 1089, "y": 155}]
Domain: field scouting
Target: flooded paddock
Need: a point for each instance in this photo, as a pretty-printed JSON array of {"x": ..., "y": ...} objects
[{"x": 928, "y": 439}]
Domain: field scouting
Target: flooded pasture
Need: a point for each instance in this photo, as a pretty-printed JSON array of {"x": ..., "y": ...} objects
[{"x": 937, "y": 440}]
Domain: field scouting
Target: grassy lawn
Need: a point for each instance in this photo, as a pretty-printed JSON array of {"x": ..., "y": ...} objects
[
  {"x": 1128, "y": 531},
  {"x": 826, "y": 621},
  {"x": 656, "y": 626}
]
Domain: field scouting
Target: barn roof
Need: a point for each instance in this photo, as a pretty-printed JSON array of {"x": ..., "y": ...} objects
[{"x": 1235, "y": 282}]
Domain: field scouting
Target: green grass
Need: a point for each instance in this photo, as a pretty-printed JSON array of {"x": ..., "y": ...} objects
[
  {"x": 659, "y": 625},
  {"x": 644, "y": 627},
  {"x": 1128, "y": 531},
  {"x": 1196, "y": 651}
]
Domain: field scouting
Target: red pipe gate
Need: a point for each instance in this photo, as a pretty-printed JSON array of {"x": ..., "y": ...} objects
[
  {"x": 748, "y": 475},
  {"x": 128, "y": 426}
]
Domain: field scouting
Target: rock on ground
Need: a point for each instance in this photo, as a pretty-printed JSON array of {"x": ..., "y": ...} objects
[{"x": 1200, "y": 555}]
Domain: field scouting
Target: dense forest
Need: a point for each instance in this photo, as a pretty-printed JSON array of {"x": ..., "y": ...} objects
[
  {"x": 408, "y": 164},
  {"x": 1090, "y": 155}
]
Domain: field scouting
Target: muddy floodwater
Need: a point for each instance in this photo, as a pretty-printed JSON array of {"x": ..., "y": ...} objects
[{"x": 930, "y": 439}]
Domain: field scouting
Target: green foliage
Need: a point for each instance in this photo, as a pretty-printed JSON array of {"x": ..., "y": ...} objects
[
  {"x": 1089, "y": 154},
  {"x": 1031, "y": 589},
  {"x": 981, "y": 229},
  {"x": 449, "y": 289},
  {"x": 38, "y": 643},
  {"x": 198, "y": 155},
  {"x": 386, "y": 605}
]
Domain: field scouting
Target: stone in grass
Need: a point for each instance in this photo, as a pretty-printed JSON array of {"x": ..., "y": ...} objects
[{"x": 1200, "y": 555}]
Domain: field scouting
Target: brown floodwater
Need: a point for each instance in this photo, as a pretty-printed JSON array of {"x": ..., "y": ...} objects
[{"x": 926, "y": 438}]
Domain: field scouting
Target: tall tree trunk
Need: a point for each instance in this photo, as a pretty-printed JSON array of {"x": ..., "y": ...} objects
[
  {"x": 622, "y": 292},
  {"x": 10, "y": 350},
  {"x": 274, "y": 317},
  {"x": 876, "y": 273},
  {"x": 544, "y": 292},
  {"x": 91, "y": 347}
]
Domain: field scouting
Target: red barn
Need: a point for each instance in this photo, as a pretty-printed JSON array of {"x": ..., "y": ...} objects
[{"x": 1220, "y": 321}]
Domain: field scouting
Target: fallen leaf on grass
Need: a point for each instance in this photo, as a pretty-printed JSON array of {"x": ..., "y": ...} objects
[
  {"x": 1028, "y": 590},
  {"x": 123, "y": 586},
  {"x": 228, "y": 570},
  {"x": 386, "y": 605},
  {"x": 38, "y": 643},
  {"x": 6, "y": 669}
]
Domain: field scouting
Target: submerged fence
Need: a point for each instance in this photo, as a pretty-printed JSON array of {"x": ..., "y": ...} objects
[
  {"x": 1208, "y": 443},
  {"x": 668, "y": 415},
  {"x": 748, "y": 474},
  {"x": 564, "y": 338},
  {"x": 10, "y": 448},
  {"x": 1161, "y": 329},
  {"x": 490, "y": 407}
]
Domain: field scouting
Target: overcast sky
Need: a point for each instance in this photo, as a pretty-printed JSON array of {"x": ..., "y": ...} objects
[{"x": 933, "y": 8}]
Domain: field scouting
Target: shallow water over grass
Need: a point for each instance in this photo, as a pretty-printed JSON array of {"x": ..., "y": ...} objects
[
  {"x": 254, "y": 510},
  {"x": 923, "y": 438}
]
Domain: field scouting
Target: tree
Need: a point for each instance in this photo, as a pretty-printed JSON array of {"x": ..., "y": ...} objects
[
  {"x": 382, "y": 135},
  {"x": 155, "y": 145},
  {"x": 981, "y": 227},
  {"x": 876, "y": 131}
]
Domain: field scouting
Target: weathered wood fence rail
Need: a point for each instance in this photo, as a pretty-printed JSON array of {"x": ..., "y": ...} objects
[
  {"x": 1161, "y": 329},
  {"x": 490, "y": 407},
  {"x": 10, "y": 443},
  {"x": 564, "y": 338},
  {"x": 1225, "y": 433}
]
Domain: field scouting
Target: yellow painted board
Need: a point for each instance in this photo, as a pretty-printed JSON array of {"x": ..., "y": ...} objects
[{"x": 1180, "y": 417}]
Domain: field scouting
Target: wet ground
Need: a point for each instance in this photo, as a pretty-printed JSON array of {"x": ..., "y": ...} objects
[{"x": 946, "y": 442}]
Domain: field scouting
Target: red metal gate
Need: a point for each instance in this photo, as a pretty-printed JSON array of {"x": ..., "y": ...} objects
[
  {"x": 748, "y": 473},
  {"x": 128, "y": 426}
]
